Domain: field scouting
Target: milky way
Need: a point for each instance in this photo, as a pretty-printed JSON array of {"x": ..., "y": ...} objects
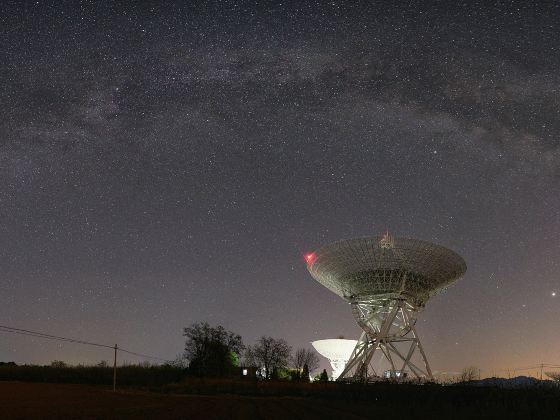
[{"x": 164, "y": 164}]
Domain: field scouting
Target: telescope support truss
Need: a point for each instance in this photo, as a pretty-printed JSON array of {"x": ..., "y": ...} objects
[{"x": 388, "y": 327}]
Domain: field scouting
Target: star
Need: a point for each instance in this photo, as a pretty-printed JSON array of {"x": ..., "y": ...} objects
[{"x": 183, "y": 174}]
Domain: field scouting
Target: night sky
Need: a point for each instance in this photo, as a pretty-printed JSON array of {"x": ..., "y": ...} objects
[{"x": 168, "y": 163}]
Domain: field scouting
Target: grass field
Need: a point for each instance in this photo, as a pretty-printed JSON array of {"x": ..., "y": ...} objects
[{"x": 19, "y": 400}]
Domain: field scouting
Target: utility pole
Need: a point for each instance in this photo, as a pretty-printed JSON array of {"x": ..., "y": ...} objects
[
  {"x": 115, "y": 370},
  {"x": 542, "y": 365}
]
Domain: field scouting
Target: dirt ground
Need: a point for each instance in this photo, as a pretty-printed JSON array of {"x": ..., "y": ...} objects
[
  {"x": 26, "y": 400},
  {"x": 19, "y": 400}
]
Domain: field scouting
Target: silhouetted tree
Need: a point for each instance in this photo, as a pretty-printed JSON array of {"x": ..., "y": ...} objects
[
  {"x": 555, "y": 376},
  {"x": 304, "y": 357},
  {"x": 267, "y": 354},
  {"x": 324, "y": 376},
  {"x": 468, "y": 374},
  {"x": 211, "y": 351},
  {"x": 305, "y": 373},
  {"x": 179, "y": 362},
  {"x": 58, "y": 364}
]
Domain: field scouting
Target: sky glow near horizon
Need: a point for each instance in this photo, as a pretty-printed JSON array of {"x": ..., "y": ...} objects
[{"x": 165, "y": 163}]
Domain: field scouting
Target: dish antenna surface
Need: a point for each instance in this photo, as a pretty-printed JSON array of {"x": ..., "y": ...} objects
[
  {"x": 337, "y": 350},
  {"x": 387, "y": 281}
]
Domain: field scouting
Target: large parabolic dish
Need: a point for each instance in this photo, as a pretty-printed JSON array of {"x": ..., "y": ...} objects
[{"x": 387, "y": 281}]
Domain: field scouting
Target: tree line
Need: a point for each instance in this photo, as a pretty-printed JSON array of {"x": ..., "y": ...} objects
[{"x": 215, "y": 351}]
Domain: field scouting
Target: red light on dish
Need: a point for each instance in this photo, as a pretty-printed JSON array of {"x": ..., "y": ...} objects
[{"x": 309, "y": 258}]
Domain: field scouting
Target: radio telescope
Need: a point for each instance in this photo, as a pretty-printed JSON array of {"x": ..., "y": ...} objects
[
  {"x": 387, "y": 281},
  {"x": 337, "y": 350}
]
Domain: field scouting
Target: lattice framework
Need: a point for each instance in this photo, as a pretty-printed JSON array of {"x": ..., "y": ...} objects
[{"x": 387, "y": 281}]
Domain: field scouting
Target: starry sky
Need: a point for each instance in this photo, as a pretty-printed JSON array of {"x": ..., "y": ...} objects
[{"x": 164, "y": 163}]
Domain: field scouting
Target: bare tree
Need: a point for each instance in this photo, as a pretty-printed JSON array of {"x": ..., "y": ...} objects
[
  {"x": 468, "y": 374},
  {"x": 179, "y": 362},
  {"x": 58, "y": 364},
  {"x": 304, "y": 357},
  {"x": 268, "y": 354},
  {"x": 555, "y": 376}
]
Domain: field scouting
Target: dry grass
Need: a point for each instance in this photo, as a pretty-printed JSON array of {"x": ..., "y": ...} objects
[
  {"x": 226, "y": 399},
  {"x": 64, "y": 401}
]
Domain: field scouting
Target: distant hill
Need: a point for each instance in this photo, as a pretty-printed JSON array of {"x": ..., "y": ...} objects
[{"x": 517, "y": 382}]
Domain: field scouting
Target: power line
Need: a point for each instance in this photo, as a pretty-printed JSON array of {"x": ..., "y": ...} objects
[
  {"x": 547, "y": 365},
  {"x": 144, "y": 355},
  {"x": 37, "y": 334},
  {"x": 4, "y": 328}
]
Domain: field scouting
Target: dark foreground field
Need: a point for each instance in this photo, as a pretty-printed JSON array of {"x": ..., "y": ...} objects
[
  {"x": 19, "y": 400},
  {"x": 65, "y": 401}
]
